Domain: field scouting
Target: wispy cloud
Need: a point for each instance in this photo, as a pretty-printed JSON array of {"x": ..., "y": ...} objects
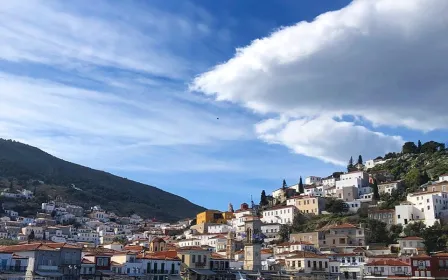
[{"x": 104, "y": 85}]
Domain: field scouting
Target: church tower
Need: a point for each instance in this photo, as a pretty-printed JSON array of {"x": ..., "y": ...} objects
[
  {"x": 252, "y": 244},
  {"x": 230, "y": 246}
]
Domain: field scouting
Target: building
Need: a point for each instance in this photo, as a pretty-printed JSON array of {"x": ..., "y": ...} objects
[
  {"x": 196, "y": 262},
  {"x": 279, "y": 215},
  {"x": 313, "y": 180},
  {"x": 346, "y": 193},
  {"x": 213, "y": 217},
  {"x": 431, "y": 267},
  {"x": 388, "y": 187},
  {"x": 307, "y": 262},
  {"x": 329, "y": 181},
  {"x": 426, "y": 206},
  {"x": 386, "y": 268},
  {"x": 411, "y": 245},
  {"x": 350, "y": 264},
  {"x": 355, "y": 179},
  {"x": 344, "y": 235},
  {"x": 371, "y": 163},
  {"x": 307, "y": 204},
  {"x": 252, "y": 244},
  {"x": 219, "y": 228},
  {"x": 386, "y": 216},
  {"x": 271, "y": 231},
  {"x": 443, "y": 178},
  {"x": 312, "y": 237}
]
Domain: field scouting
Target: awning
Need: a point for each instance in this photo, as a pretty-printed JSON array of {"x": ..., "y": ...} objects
[
  {"x": 203, "y": 272},
  {"x": 49, "y": 273}
]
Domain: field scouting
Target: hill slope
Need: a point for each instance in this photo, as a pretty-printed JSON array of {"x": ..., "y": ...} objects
[{"x": 113, "y": 193}]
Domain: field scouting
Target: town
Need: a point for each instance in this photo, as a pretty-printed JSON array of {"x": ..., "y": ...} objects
[{"x": 339, "y": 227}]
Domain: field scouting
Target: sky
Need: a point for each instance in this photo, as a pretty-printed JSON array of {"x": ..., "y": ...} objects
[{"x": 216, "y": 101}]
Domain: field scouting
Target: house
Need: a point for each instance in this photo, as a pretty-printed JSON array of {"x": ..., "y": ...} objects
[
  {"x": 160, "y": 265},
  {"x": 329, "y": 181},
  {"x": 49, "y": 260},
  {"x": 313, "y": 180},
  {"x": 196, "y": 262},
  {"x": 279, "y": 214},
  {"x": 411, "y": 245},
  {"x": 219, "y": 228},
  {"x": 307, "y": 204},
  {"x": 101, "y": 258},
  {"x": 355, "y": 179},
  {"x": 125, "y": 263},
  {"x": 311, "y": 237},
  {"x": 386, "y": 216},
  {"x": 87, "y": 271},
  {"x": 350, "y": 264},
  {"x": 307, "y": 262},
  {"x": 371, "y": 163},
  {"x": 443, "y": 178},
  {"x": 271, "y": 231},
  {"x": 427, "y": 206},
  {"x": 343, "y": 235},
  {"x": 213, "y": 216},
  {"x": 157, "y": 244},
  {"x": 386, "y": 268},
  {"x": 388, "y": 187},
  {"x": 346, "y": 193}
]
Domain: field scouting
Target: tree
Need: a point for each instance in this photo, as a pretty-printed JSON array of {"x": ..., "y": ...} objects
[
  {"x": 299, "y": 222},
  {"x": 419, "y": 146},
  {"x": 53, "y": 213},
  {"x": 337, "y": 174},
  {"x": 378, "y": 232},
  {"x": 415, "y": 229},
  {"x": 432, "y": 147},
  {"x": 363, "y": 212},
  {"x": 263, "y": 199},
  {"x": 394, "y": 233},
  {"x": 31, "y": 236},
  {"x": 301, "y": 188},
  {"x": 360, "y": 161},
  {"x": 435, "y": 238},
  {"x": 284, "y": 232},
  {"x": 335, "y": 206},
  {"x": 409, "y": 148},
  {"x": 284, "y": 186},
  {"x": 350, "y": 164},
  {"x": 376, "y": 194}
]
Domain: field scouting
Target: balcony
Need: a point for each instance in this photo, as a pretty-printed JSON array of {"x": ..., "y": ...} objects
[
  {"x": 159, "y": 271},
  {"x": 16, "y": 268},
  {"x": 376, "y": 273},
  {"x": 47, "y": 268},
  {"x": 318, "y": 269},
  {"x": 200, "y": 264}
]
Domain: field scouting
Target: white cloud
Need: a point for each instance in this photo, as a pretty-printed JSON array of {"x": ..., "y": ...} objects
[
  {"x": 383, "y": 61},
  {"x": 326, "y": 139}
]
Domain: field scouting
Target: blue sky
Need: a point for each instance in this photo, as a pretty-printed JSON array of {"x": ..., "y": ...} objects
[{"x": 218, "y": 100}]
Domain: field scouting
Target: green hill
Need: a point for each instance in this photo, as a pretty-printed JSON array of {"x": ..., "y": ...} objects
[{"x": 23, "y": 164}]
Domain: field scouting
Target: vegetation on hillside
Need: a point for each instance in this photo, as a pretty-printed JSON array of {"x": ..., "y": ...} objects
[{"x": 24, "y": 165}]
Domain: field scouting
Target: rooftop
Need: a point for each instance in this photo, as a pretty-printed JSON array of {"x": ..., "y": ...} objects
[{"x": 387, "y": 262}]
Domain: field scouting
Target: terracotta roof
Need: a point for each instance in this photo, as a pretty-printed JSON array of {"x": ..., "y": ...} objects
[
  {"x": 279, "y": 207},
  {"x": 382, "y": 210},
  {"x": 218, "y": 257},
  {"x": 191, "y": 248},
  {"x": 135, "y": 248},
  {"x": 115, "y": 263},
  {"x": 162, "y": 255},
  {"x": 304, "y": 254},
  {"x": 86, "y": 261},
  {"x": 441, "y": 254},
  {"x": 27, "y": 247},
  {"x": 411, "y": 238},
  {"x": 387, "y": 262},
  {"x": 266, "y": 251},
  {"x": 158, "y": 239},
  {"x": 341, "y": 226}
]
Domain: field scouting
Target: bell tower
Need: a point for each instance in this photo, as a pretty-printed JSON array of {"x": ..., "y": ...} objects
[
  {"x": 230, "y": 246},
  {"x": 252, "y": 244}
]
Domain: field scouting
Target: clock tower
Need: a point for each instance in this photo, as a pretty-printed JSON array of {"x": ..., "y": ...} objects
[{"x": 252, "y": 244}]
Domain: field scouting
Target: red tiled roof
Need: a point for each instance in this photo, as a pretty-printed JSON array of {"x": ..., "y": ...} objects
[
  {"x": 162, "y": 255},
  {"x": 411, "y": 238},
  {"x": 266, "y": 251},
  {"x": 86, "y": 261},
  {"x": 135, "y": 248},
  {"x": 345, "y": 225},
  {"x": 387, "y": 262},
  {"x": 27, "y": 247},
  {"x": 304, "y": 254},
  {"x": 191, "y": 248},
  {"x": 441, "y": 254},
  {"x": 218, "y": 256}
]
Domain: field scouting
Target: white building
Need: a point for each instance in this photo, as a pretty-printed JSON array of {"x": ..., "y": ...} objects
[
  {"x": 87, "y": 235},
  {"x": 443, "y": 178},
  {"x": 48, "y": 207},
  {"x": 189, "y": 242},
  {"x": 313, "y": 180},
  {"x": 411, "y": 245},
  {"x": 271, "y": 231},
  {"x": 219, "y": 228},
  {"x": 329, "y": 181},
  {"x": 388, "y": 187},
  {"x": 353, "y": 206},
  {"x": 281, "y": 215},
  {"x": 355, "y": 179},
  {"x": 371, "y": 163},
  {"x": 387, "y": 267}
]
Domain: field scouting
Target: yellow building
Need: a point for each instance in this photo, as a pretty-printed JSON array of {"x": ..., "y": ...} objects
[
  {"x": 214, "y": 217},
  {"x": 310, "y": 204}
]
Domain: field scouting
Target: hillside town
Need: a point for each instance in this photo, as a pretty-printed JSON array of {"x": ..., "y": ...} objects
[{"x": 254, "y": 241}]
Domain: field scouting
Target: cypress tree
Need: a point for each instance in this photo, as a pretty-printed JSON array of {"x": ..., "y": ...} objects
[{"x": 301, "y": 188}]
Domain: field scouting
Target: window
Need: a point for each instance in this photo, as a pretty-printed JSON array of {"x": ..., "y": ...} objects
[
  {"x": 193, "y": 258},
  {"x": 417, "y": 273},
  {"x": 428, "y": 273},
  {"x": 429, "y": 207},
  {"x": 398, "y": 216}
]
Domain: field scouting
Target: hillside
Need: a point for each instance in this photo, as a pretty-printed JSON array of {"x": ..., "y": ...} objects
[{"x": 22, "y": 163}]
